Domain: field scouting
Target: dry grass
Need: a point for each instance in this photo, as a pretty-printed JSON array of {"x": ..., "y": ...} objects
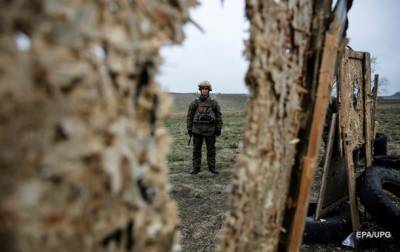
[{"x": 388, "y": 117}]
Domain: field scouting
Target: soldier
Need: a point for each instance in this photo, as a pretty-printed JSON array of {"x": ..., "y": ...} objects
[{"x": 204, "y": 121}]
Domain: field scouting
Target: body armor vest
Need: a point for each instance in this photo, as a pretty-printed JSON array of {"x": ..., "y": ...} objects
[{"x": 204, "y": 112}]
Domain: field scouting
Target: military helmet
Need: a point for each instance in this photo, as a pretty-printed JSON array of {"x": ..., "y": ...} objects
[{"x": 205, "y": 84}]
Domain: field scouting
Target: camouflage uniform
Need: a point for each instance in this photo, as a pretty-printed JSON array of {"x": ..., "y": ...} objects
[{"x": 204, "y": 129}]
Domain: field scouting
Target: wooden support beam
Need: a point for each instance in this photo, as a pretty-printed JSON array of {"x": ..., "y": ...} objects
[
  {"x": 356, "y": 55},
  {"x": 351, "y": 179},
  {"x": 327, "y": 165}
]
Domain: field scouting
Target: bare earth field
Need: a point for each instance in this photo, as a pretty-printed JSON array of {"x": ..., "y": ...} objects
[{"x": 202, "y": 198}]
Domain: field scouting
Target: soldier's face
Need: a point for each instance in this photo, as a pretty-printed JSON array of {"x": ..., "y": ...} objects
[{"x": 204, "y": 91}]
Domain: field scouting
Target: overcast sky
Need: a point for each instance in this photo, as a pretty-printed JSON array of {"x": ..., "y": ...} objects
[
  {"x": 217, "y": 54},
  {"x": 374, "y": 27}
]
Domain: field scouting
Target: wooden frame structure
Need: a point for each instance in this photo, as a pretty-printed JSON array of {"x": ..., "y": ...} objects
[
  {"x": 356, "y": 103},
  {"x": 353, "y": 128},
  {"x": 355, "y": 117}
]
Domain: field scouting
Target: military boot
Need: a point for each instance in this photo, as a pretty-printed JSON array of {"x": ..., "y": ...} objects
[
  {"x": 195, "y": 171},
  {"x": 213, "y": 170}
]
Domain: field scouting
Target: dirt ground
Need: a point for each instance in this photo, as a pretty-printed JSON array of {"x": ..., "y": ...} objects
[{"x": 202, "y": 198}]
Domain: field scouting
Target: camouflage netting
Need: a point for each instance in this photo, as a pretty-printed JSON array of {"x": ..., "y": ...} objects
[
  {"x": 280, "y": 33},
  {"x": 82, "y": 145}
]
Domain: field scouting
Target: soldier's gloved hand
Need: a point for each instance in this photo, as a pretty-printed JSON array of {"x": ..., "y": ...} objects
[
  {"x": 218, "y": 132},
  {"x": 190, "y": 133}
]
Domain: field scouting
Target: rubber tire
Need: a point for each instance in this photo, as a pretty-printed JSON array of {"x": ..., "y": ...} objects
[
  {"x": 380, "y": 144},
  {"x": 370, "y": 191},
  {"x": 387, "y": 161},
  {"x": 334, "y": 229}
]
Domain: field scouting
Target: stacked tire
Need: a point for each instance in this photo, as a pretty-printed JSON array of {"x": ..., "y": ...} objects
[
  {"x": 380, "y": 144},
  {"x": 378, "y": 187},
  {"x": 388, "y": 161},
  {"x": 332, "y": 229},
  {"x": 379, "y": 191}
]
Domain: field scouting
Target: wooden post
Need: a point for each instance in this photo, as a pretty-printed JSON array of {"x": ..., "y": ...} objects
[
  {"x": 351, "y": 180},
  {"x": 368, "y": 101},
  {"x": 374, "y": 104},
  {"x": 278, "y": 50}
]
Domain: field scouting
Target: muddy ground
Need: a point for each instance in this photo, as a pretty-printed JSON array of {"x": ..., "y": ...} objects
[{"x": 202, "y": 198}]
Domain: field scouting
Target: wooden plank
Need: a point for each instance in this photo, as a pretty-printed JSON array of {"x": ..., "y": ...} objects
[
  {"x": 327, "y": 70},
  {"x": 356, "y": 55},
  {"x": 327, "y": 165},
  {"x": 331, "y": 207},
  {"x": 352, "y": 112},
  {"x": 367, "y": 109},
  {"x": 336, "y": 185}
]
